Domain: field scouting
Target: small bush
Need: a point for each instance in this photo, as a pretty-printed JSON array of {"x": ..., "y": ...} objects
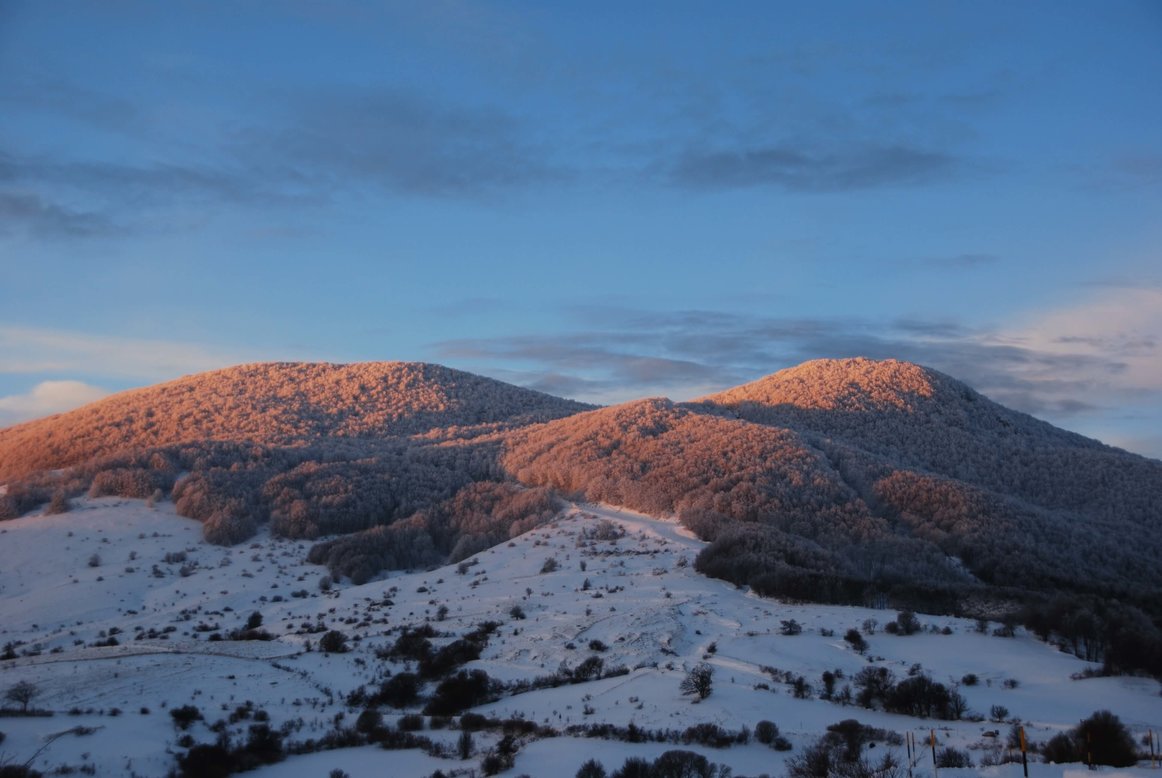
[
  {"x": 633, "y": 767},
  {"x": 333, "y": 642},
  {"x": 58, "y": 504},
  {"x": 399, "y": 691},
  {"x": 950, "y": 757},
  {"x": 765, "y": 732},
  {"x": 412, "y": 722},
  {"x": 1060, "y": 749},
  {"x": 369, "y": 721},
  {"x": 184, "y": 716},
  {"x": 591, "y": 769},
  {"x": 907, "y": 623},
  {"x": 682, "y": 764},
  {"x": 707, "y": 734},
  {"x": 458, "y": 692}
]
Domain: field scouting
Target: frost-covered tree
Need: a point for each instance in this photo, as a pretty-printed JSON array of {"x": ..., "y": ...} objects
[
  {"x": 22, "y": 693},
  {"x": 698, "y": 681}
]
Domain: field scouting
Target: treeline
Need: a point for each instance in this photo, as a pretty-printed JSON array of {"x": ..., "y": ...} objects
[
  {"x": 1009, "y": 543},
  {"x": 891, "y": 570},
  {"x": 1124, "y": 637},
  {"x": 478, "y": 516},
  {"x": 332, "y": 487}
]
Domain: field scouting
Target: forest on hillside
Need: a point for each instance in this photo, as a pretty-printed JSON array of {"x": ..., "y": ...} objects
[{"x": 279, "y": 405}]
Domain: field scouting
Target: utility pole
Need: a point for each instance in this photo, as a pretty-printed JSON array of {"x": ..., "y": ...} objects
[{"x": 1024, "y": 753}]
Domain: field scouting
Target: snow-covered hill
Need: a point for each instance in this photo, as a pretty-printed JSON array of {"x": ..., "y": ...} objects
[{"x": 620, "y": 587}]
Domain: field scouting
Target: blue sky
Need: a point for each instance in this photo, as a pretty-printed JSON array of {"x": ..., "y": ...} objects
[{"x": 601, "y": 200}]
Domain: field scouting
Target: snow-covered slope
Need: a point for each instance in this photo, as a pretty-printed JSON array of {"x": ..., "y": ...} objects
[{"x": 623, "y": 589}]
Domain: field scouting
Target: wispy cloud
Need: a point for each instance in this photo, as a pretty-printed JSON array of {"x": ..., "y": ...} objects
[
  {"x": 33, "y": 90},
  {"x": 1067, "y": 362},
  {"x": 302, "y": 147},
  {"x": 810, "y": 169},
  {"x": 968, "y": 261},
  {"x": 46, "y": 398},
  {"x": 32, "y": 350}
]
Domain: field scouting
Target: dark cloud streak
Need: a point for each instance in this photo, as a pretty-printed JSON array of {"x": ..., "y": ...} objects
[
  {"x": 398, "y": 140},
  {"x": 804, "y": 169},
  {"x": 43, "y": 219}
]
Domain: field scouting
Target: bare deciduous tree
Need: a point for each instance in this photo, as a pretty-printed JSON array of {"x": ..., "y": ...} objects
[
  {"x": 23, "y": 693},
  {"x": 698, "y": 681}
]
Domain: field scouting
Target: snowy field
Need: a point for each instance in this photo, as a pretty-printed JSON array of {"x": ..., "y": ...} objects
[{"x": 110, "y": 610}]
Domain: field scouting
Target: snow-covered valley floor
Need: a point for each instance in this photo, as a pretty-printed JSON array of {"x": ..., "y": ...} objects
[{"x": 114, "y": 568}]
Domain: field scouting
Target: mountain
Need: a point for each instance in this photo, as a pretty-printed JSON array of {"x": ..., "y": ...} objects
[
  {"x": 837, "y": 480},
  {"x": 276, "y": 404},
  {"x": 914, "y": 417},
  {"x": 896, "y": 469}
]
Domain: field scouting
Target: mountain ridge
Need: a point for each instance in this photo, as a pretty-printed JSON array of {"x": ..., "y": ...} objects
[{"x": 276, "y": 403}]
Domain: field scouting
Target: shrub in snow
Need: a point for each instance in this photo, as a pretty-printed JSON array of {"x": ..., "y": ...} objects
[
  {"x": 333, "y": 642},
  {"x": 1106, "y": 740},
  {"x": 184, "y": 716},
  {"x": 951, "y": 757},
  {"x": 1061, "y": 749},
  {"x": 855, "y": 639},
  {"x": 766, "y": 731},
  {"x": 683, "y": 764},
  {"x": 58, "y": 504},
  {"x": 634, "y": 767},
  {"x": 591, "y": 769}
]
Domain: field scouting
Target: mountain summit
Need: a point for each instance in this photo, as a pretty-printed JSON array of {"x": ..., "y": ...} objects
[
  {"x": 850, "y": 385},
  {"x": 276, "y": 404}
]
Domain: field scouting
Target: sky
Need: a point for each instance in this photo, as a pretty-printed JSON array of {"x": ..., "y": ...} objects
[{"x": 602, "y": 200}]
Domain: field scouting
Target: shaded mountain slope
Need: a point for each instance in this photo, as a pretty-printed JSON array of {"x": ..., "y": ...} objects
[
  {"x": 277, "y": 404},
  {"x": 917, "y": 418}
]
